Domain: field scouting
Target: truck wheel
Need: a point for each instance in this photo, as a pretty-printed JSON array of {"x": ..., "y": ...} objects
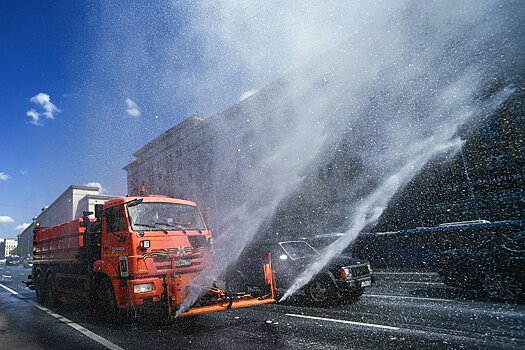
[
  {"x": 321, "y": 291},
  {"x": 104, "y": 298},
  {"x": 39, "y": 288},
  {"x": 52, "y": 297}
]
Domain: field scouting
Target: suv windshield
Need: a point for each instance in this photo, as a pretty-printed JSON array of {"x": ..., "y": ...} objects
[
  {"x": 155, "y": 216},
  {"x": 298, "y": 249}
]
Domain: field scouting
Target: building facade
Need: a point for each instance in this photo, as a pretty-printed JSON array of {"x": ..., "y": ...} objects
[
  {"x": 7, "y": 246},
  {"x": 221, "y": 162},
  {"x": 68, "y": 206}
]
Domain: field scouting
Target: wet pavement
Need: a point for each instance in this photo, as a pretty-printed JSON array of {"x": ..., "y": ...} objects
[{"x": 402, "y": 310}]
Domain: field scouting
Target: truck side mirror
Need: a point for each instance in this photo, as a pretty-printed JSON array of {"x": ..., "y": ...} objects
[{"x": 98, "y": 211}]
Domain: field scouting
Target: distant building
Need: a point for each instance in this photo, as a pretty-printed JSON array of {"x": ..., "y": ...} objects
[
  {"x": 7, "y": 246},
  {"x": 486, "y": 180},
  {"x": 68, "y": 206},
  {"x": 203, "y": 160}
]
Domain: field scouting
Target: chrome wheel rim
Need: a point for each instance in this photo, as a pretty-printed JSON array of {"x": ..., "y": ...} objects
[{"x": 318, "y": 291}]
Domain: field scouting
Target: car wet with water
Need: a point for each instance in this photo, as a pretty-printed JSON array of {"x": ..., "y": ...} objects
[{"x": 343, "y": 279}]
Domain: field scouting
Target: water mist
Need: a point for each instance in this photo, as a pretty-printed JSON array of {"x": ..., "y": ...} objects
[{"x": 394, "y": 81}]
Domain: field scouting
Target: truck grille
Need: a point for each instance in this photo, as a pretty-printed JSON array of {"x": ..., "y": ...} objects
[
  {"x": 360, "y": 270},
  {"x": 197, "y": 241}
]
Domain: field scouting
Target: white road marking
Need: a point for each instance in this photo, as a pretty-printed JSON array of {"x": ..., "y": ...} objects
[
  {"x": 71, "y": 324},
  {"x": 345, "y": 321},
  {"x": 22, "y": 274},
  {"x": 78, "y": 327},
  {"x": 443, "y": 335},
  {"x": 406, "y": 297},
  {"x": 433, "y": 283},
  {"x": 507, "y": 313},
  {"x": 8, "y": 289},
  {"x": 406, "y": 273}
]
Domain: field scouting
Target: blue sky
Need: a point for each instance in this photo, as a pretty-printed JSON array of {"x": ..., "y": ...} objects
[
  {"x": 85, "y": 84},
  {"x": 37, "y": 52},
  {"x": 73, "y": 66}
]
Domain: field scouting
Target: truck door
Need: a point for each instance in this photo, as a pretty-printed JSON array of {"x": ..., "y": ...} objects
[{"x": 114, "y": 235}]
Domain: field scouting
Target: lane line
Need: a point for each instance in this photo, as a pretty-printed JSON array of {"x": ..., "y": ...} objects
[
  {"x": 406, "y": 273},
  {"x": 406, "y": 297},
  {"x": 76, "y": 326},
  {"x": 442, "y": 334},
  {"x": 345, "y": 321},
  {"x": 8, "y": 289},
  {"x": 432, "y": 283},
  {"x": 506, "y": 313}
]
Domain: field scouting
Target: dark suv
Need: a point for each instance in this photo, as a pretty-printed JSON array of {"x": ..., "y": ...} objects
[
  {"x": 495, "y": 265},
  {"x": 13, "y": 260},
  {"x": 343, "y": 279}
]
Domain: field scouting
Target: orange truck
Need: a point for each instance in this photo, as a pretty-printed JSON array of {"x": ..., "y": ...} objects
[{"x": 138, "y": 253}]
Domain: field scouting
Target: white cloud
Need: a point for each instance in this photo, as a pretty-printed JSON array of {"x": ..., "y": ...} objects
[
  {"x": 4, "y": 176},
  {"x": 101, "y": 189},
  {"x": 23, "y": 172},
  {"x": 35, "y": 117},
  {"x": 6, "y": 219},
  {"x": 132, "y": 108},
  {"x": 22, "y": 227},
  {"x": 247, "y": 94},
  {"x": 42, "y": 100}
]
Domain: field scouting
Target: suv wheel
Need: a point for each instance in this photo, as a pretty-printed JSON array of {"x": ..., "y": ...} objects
[
  {"x": 502, "y": 286},
  {"x": 321, "y": 291}
]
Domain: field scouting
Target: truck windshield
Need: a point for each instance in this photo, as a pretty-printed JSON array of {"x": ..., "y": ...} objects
[
  {"x": 154, "y": 216},
  {"x": 298, "y": 249}
]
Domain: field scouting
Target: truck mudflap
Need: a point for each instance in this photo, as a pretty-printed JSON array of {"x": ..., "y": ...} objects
[{"x": 227, "y": 301}]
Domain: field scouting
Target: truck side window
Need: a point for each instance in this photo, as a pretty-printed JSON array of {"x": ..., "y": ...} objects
[{"x": 115, "y": 219}]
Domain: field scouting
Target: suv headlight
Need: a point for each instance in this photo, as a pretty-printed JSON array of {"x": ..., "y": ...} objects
[
  {"x": 345, "y": 273},
  {"x": 143, "y": 288}
]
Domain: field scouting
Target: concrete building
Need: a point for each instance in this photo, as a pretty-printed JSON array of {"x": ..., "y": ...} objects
[
  {"x": 68, "y": 206},
  {"x": 7, "y": 246},
  {"x": 205, "y": 159}
]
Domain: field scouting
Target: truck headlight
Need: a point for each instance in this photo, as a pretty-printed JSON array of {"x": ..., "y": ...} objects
[
  {"x": 345, "y": 273},
  {"x": 143, "y": 288}
]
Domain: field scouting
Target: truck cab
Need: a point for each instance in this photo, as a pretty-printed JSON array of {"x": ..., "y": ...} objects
[
  {"x": 149, "y": 248},
  {"x": 138, "y": 252}
]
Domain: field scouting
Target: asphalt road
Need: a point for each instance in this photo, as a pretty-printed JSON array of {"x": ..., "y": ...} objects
[{"x": 400, "y": 311}]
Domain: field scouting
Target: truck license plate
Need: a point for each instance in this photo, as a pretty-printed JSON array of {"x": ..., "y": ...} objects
[
  {"x": 366, "y": 283},
  {"x": 182, "y": 262}
]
